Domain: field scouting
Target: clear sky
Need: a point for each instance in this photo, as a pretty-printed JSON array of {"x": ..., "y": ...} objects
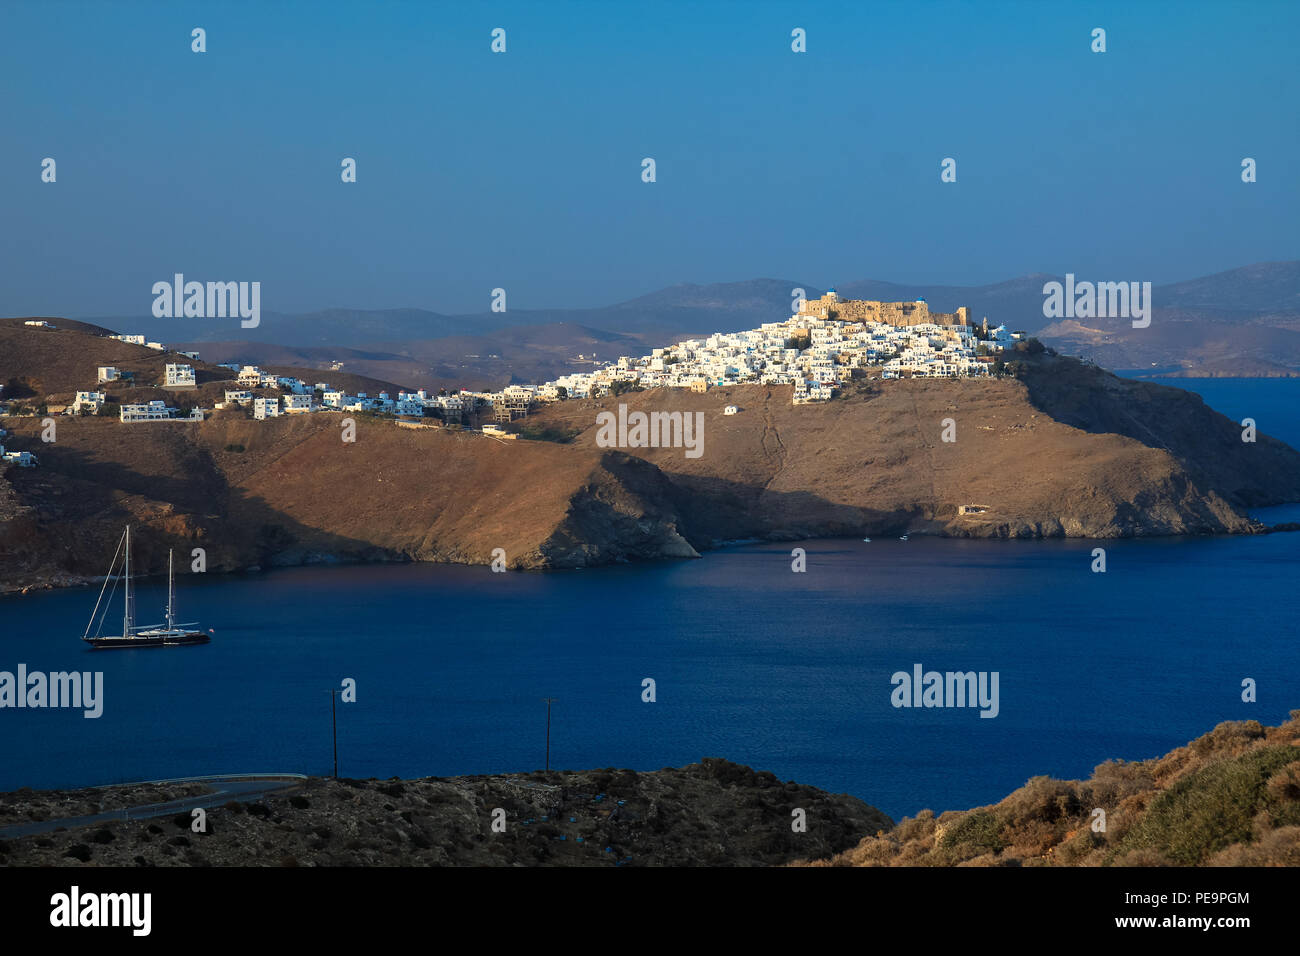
[{"x": 523, "y": 170}]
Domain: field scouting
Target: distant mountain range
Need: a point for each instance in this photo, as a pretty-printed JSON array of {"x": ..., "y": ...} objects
[{"x": 1244, "y": 321}]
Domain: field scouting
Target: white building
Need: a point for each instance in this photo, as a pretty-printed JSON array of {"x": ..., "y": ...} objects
[
  {"x": 129, "y": 339},
  {"x": 408, "y": 404},
  {"x": 238, "y": 396},
  {"x": 180, "y": 376},
  {"x": 288, "y": 384},
  {"x": 250, "y": 375},
  {"x": 38, "y": 323},
  {"x": 730, "y": 410},
  {"x": 91, "y": 401},
  {"x": 23, "y": 459},
  {"x": 264, "y": 408},
  {"x": 108, "y": 373},
  {"x": 298, "y": 404},
  {"x": 156, "y": 410}
]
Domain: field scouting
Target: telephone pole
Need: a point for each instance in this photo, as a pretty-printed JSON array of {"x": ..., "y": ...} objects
[
  {"x": 549, "y": 701},
  {"x": 335, "y": 722}
]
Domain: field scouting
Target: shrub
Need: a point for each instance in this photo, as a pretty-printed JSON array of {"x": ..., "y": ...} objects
[
  {"x": 1231, "y": 735},
  {"x": 976, "y": 832},
  {"x": 1209, "y": 808},
  {"x": 916, "y": 828}
]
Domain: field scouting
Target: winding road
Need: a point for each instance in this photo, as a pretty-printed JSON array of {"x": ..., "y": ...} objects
[{"x": 224, "y": 788}]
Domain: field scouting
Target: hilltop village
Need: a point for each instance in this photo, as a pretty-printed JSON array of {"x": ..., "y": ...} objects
[{"x": 817, "y": 350}]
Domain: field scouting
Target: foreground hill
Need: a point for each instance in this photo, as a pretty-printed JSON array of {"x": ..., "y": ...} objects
[
  {"x": 1230, "y": 798},
  {"x": 712, "y": 813}
]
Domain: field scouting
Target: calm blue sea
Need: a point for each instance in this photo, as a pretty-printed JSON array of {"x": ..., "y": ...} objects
[{"x": 783, "y": 671}]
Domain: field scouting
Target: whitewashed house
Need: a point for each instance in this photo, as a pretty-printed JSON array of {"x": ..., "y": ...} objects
[
  {"x": 23, "y": 459},
  {"x": 408, "y": 404},
  {"x": 156, "y": 410},
  {"x": 107, "y": 373},
  {"x": 264, "y": 408},
  {"x": 91, "y": 401},
  {"x": 298, "y": 404},
  {"x": 288, "y": 384},
  {"x": 180, "y": 376}
]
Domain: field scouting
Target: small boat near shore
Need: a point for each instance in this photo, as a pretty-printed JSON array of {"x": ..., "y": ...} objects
[{"x": 168, "y": 634}]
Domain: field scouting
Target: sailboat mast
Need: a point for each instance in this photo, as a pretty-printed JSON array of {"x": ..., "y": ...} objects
[
  {"x": 171, "y": 588},
  {"x": 126, "y": 610}
]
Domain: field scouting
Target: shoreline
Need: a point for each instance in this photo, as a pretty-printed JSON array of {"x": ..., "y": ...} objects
[{"x": 71, "y": 582}]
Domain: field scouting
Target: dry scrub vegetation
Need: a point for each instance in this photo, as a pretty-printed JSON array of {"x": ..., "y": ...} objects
[{"x": 1229, "y": 798}]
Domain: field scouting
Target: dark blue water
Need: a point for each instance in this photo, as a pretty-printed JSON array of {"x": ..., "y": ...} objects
[{"x": 786, "y": 672}]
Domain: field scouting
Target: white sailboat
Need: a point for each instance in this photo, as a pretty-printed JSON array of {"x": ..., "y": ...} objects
[{"x": 155, "y": 635}]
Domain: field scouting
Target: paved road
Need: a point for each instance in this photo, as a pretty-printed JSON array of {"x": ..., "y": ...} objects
[{"x": 224, "y": 789}]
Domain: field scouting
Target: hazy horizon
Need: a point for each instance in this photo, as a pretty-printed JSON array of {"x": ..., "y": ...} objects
[{"x": 522, "y": 170}]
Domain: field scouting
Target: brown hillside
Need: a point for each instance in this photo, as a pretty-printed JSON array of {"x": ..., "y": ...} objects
[
  {"x": 1069, "y": 451},
  {"x": 1064, "y": 450},
  {"x": 290, "y": 491}
]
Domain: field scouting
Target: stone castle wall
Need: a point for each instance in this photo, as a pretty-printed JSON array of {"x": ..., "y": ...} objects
[{"x": 889, "y": 313}]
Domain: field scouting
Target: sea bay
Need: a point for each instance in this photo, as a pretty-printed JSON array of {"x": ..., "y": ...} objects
[{"x": 752, "y": 661}]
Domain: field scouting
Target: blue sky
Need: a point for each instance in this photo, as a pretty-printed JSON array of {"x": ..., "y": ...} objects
[{"x": 522, "y": 170}]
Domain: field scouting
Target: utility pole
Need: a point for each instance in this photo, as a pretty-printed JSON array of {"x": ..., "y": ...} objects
[
  {"x": 334, "y": 720},
  {"x": 549, "y": 701}
]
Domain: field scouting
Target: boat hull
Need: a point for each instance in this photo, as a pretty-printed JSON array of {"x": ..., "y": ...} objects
[{"x": 156, "y": 639}]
